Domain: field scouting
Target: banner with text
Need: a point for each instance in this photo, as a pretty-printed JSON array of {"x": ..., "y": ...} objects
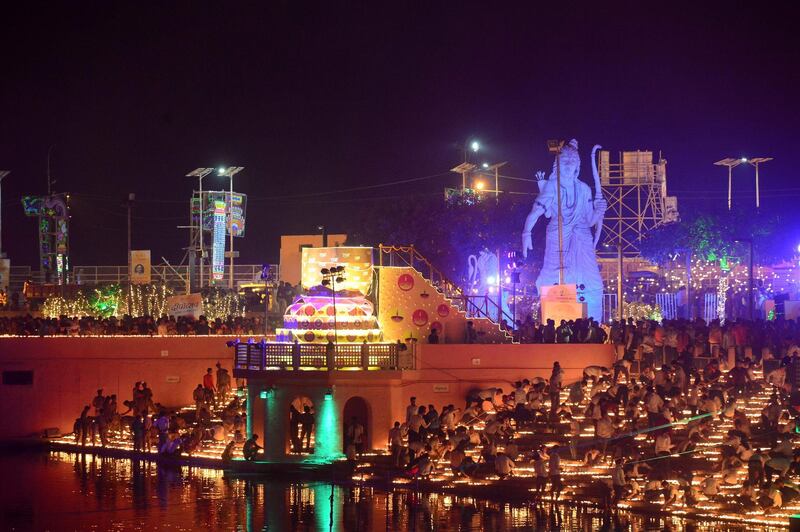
[{"x": 186, "y": 305}]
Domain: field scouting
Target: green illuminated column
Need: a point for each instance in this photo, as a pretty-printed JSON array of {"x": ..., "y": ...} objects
[
  {"x": 327, "y": 510},
  {"x": 255, "y": 411},
  {"x": 328, "y": 436},
  {"x": 276, "y": 428}
]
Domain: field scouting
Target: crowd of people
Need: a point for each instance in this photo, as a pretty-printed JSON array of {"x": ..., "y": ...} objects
[
  {"x": 150, "y": 426},
  {"x": 689, "y": 411},
  {"x": 127, "y": 325}
]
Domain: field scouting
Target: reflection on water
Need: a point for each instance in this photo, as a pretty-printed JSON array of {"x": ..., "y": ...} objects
[{"x": 61, "y": 491}]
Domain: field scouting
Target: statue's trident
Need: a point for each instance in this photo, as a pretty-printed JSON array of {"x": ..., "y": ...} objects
[{"x": 598, "y": 192}]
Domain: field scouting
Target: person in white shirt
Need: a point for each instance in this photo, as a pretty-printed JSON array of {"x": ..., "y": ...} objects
[
  {"x": 503, "y": 465},
  {"x": 396, "y": 442},
  {"x": 595, "y": 373},
  {"x": 416, "y": 425},
  {"x": 710, "y": 487},
  {"x": 411, "y": 409},
  {"x": 663, "y": 444}
]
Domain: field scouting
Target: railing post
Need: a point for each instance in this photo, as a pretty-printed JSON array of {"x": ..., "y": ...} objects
[
  {"x": 296, "y": 355},
  {"x": 364, "y": 355},
  {"x": 330, "y": 357}
]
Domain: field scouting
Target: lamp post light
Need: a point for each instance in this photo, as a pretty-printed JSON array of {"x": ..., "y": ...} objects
[
  {"x": 555, "y": 147},
  {"x": 3, "y": 174},
  {"x": 755, "y": 161},
  {"x": 495, "y": 168},
  {"x": 514, "y": 282},
  {"x": 749, "y": 241},
  {"x": 731, "y": 163},
  {"x": 200, "y": 173},
  {"x": 471, "y": 146},
  {"x": 331, "y": 276},
  {"x": 620, "y": 269},
  {"x": 324, "y": 230},
  {"x": 230, "y": 171}
]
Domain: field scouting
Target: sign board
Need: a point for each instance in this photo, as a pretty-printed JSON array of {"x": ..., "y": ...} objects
[
  {"x": 218, "y": 246},
  {"x": 441, "y": 388},
  {"x": 140, "y": 266},
  {"x": 560, "y": 302},
  {"x": 187, "y": 305},
  {"x": 5, "y": 272},
  {"x": 357, "y": 262}
]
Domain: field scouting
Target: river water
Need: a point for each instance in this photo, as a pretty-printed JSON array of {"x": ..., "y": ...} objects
[{"x": 63, "y": 491}]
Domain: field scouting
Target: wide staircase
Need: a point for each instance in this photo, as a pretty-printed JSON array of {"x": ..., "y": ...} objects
[
  {"x": 589, "y": 482},
  {"x": 120, "y": 437},
  {"x": 473, "y": 307}
]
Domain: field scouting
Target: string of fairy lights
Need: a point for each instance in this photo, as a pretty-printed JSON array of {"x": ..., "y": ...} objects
[
  {"x": 708, "y": 275},
  {"x": 137, "y": 301}
]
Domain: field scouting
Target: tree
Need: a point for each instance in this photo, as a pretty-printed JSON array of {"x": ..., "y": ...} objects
[
  {"x": 714, "y": 235},
  {"x": 446, "y": 233}
]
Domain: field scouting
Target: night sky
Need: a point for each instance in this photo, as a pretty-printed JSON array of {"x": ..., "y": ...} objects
[{"x": 314, "y": 98}]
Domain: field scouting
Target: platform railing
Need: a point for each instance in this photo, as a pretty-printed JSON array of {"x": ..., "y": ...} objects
[
  {"x": 271, "y": 356},
  {"x": 176, "y": 276},
  {"x": 474, "y": 306}
]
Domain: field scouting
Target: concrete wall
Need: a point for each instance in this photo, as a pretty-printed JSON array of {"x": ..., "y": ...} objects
[
  {"x": 445, "y": 374},
  {"x": 67, "y": 372}
]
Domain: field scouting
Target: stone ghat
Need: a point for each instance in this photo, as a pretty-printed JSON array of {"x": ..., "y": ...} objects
[{"x": 583, "y": 484}]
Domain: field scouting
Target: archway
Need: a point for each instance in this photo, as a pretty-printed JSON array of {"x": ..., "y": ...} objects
[
  {"x": 356, "y": 412},
  {"x": 302, "y": 423}
]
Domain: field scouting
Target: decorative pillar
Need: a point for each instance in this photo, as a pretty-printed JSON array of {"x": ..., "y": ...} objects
[
  {"x": 328, "y": 435},
  {"x": 276, "y": 429},
  {"x": 255, "y": 411}
]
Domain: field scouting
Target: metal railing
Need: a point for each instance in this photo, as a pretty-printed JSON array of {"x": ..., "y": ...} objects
[
  {"x": 175, "y": 277},
  {"x": 267, "y": 356},
  {"x": 475, "y": 306}
]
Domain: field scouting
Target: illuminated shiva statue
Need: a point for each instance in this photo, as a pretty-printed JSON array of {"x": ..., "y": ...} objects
[{"x": 580, "y": 213}]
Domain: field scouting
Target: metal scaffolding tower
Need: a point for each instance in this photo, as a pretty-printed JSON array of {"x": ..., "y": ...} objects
[{"x": 635, "y": 188}]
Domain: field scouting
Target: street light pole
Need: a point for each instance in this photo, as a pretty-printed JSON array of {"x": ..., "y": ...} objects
[
  {"x": 230, "y": 223},
  {"x": 750, "y": 279},
  {"x": 755, "y": 161},
  {"x": 3, "y": 174},
  {"x": 200, "y": 173},
  {"x": 230, "y": 171},
  {"x": 331, "y": 276},
  {"x": 731, "y": 163},
  {"x": 620, "y": 292},
  {"x": 750, "y": 291}
]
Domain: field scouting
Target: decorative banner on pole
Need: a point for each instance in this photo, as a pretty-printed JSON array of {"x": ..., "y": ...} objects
[
  {"x": 218, "y": 249},
  {"x": 140, "y": 266},
  {"x": 186, "y": 305},
  {"x": 235, "y": 216}
]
